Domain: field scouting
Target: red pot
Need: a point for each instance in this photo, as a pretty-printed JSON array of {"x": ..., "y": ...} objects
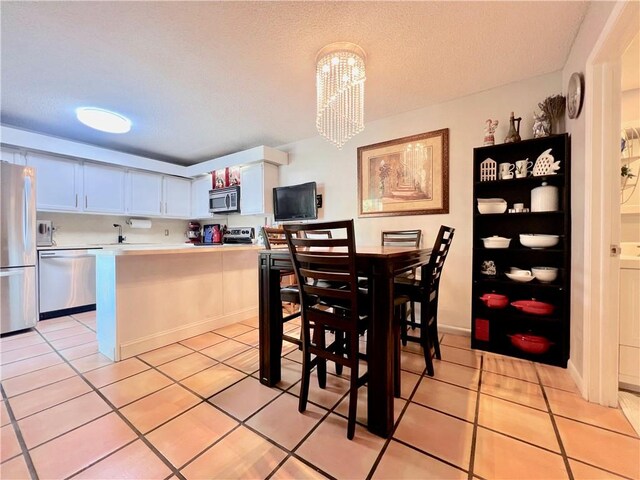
[
  {"x": 530, "y": 343},
  {"x": 495, "y": 300},
  {"x": 534, "y": 307}
]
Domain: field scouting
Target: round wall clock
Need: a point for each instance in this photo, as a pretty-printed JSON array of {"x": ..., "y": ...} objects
[{"x": 575, "y": 94}]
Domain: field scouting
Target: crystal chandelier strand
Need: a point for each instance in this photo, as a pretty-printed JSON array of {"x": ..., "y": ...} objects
[{"x": 340, "y": 76}]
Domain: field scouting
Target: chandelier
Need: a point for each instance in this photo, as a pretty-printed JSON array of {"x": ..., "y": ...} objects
[{"x": 340, "y": 77}]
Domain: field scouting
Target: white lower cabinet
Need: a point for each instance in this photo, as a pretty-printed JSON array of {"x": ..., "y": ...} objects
[
  {"x": 103, "y": 189},
  {"x": 176, "y": 197},
  {"x": 58, "y": 183},
  {"x": 144, "y": 193}
]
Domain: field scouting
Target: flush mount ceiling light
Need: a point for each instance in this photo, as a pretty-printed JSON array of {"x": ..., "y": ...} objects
[
  {"x": 103, "y": 120},
  {"x": 340, "y": 77}
]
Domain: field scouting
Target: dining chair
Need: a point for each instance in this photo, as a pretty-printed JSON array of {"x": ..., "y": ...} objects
[
  {"x": 326, "y": 273},
  {"x": 289, "y": 292},
  {"x": 404, "y": 238},
  {"x": 426, "y": 292}
]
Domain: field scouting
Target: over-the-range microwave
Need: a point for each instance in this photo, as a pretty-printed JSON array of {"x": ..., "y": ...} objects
[{"x": 224, "y": 200}]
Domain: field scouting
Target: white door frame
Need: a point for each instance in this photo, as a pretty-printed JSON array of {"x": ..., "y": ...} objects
[{"x": 602, "y": 204}]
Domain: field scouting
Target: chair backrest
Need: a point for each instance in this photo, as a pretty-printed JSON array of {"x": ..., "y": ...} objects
[
  {"x": 316, "y": 234},
  {"x": 326, "y": 272},
  {"x": 401, "y": 238},
  {"x": 273, "y": 236},
  {"x": 439, "y": 255}
]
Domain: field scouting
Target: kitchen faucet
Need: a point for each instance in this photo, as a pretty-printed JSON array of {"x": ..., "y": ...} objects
[{"x": 120, "y": 237}]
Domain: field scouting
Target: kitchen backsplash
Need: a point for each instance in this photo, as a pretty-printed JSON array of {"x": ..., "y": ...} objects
[{"x": 81, "y": 229}]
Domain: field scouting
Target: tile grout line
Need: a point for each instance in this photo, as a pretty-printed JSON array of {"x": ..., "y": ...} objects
[
  {"x": 16, "y": 428},
  {"x": 474, "y": 435},
  {"x": 240, "y": 422},
  {"x": 387, "y": 441},
  {"x": 563, "y": 451},
  {"x": 119, "y": 414}
]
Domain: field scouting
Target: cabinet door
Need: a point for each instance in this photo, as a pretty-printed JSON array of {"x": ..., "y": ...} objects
[
  {"x": 200, "y": 197},
  {"x": 256, "y": 188},
  {"x": 177, "y": 197},
  {"x": 58, "y": 183},
  {"x": 103, "y": 189},
  {"x": 144, "y": 193}
]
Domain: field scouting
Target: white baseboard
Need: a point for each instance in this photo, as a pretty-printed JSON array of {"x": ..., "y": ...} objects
[
  {"x": 161, "y": 339},
  {"x": 466, "y": 332},
  {"x": 575, "y": 375}
]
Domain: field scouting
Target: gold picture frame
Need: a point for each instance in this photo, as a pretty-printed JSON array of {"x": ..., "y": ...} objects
[{"x": 405, "y": 176}]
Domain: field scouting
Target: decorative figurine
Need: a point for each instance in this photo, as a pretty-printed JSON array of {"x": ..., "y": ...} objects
[
  {"x": 541, "y": 125},
  {"x": 489, "y": 130},
  {"x": 514, "y": 133},
  {"x": 488, "y": 170}
]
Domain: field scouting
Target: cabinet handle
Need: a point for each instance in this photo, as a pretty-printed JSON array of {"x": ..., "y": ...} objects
[
  {"x": 76, "y": 200},
  {"x": 86, "y": 201}
]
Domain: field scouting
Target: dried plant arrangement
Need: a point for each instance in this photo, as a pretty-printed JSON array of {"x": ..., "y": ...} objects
[{"x": 553, "y": 106}]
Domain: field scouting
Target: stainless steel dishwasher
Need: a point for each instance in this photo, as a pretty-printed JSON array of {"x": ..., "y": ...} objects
[{"x": 66, "y": 281}]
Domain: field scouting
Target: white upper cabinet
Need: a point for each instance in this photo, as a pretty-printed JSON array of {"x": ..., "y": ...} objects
[
  {"x": 200, "y": 196},
  {"x": 177, "y": 197},
  {"x": 58, "y": 183},
  {"x": 103, "y": 189},
  {"x": 256, "y": 188},
  {"x": 144, "y": 193}
]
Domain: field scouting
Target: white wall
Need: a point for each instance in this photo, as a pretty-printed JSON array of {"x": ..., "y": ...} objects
[
  {"x": 336, "y": 174},
  {"x": 83, "y": 229},
  {"x": 583, "y": 44}
]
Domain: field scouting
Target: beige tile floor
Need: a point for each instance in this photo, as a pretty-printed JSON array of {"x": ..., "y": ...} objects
[{"x": 196, "y": 409}]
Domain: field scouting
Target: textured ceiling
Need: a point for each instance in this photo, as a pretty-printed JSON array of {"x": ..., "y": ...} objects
[{"x": 204, "y": 79}]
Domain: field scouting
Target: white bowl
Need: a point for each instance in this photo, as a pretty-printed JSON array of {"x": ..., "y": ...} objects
[
  {"x": 492, "y": 207},
  {"x": 538, "y": 240},
  {"x": 545, "y": 274},
  {"x": 520, "y": 278},
  {"x": 496, "y": 242}
]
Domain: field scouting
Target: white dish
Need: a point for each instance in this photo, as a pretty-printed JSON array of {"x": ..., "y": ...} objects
[
  {"x": 491, "y": 200},
  {"x": 520, "y": 278},
  {"x": 519, "y": 271},
  {"x": 496, "y": 242},
  {"x": 538, "y": 240},
  {"x": 545, "y": 274}
]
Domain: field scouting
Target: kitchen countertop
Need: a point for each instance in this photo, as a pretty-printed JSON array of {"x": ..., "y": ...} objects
[{"x": 160, "y": 249}]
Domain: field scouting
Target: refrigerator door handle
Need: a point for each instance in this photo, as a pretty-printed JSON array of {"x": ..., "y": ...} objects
[{"x": 25, "y": 213}]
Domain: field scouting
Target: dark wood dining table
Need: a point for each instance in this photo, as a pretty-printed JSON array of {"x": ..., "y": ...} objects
[{"x": 380, "y": 265}]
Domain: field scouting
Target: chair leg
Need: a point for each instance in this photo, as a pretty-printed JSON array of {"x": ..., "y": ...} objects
[
  {"x": 306, "y": 377},
  {"x": 339, "y": 340},
  {"x": 353, "y": 392},
  {"x": 397, "y": 383},
  {"x": 434, "y": 338},
  {"x": 319, "y": 340},
  {"x": 425, "y": 340},
  {"x": 403, "y": 324},
  {"x": 413, "y": 315}
]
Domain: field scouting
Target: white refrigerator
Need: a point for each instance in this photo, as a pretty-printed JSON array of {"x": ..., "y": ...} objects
[{"x": 18, "y": 297}]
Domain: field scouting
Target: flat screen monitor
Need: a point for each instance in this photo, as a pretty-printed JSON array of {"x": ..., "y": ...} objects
[{"x": 295, "y": 202}]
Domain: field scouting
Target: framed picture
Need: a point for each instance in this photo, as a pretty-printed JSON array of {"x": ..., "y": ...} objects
[
  {"x": 221, "y": 178},
  {"x": 406, "y": 176}
]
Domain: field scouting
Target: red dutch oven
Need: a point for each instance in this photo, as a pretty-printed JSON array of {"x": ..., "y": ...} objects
[
  {"x": 534, "y": 307},
  {"x": 495, "y": 300},
  {"x": 535, "y": 344}
]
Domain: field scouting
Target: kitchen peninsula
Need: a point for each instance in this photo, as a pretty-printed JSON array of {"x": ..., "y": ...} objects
[{"x": 152, "y": 296}]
